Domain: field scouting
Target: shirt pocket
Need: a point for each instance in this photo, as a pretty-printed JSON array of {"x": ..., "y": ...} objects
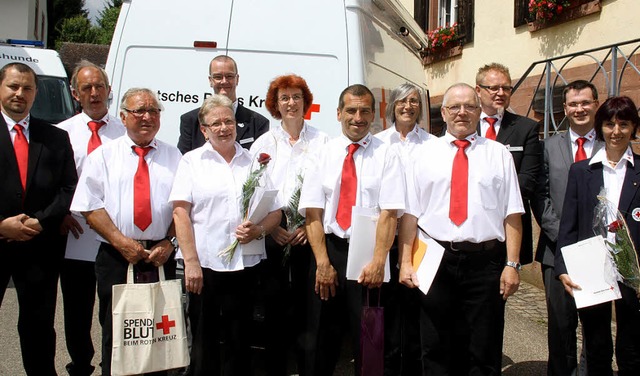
[
  {"x": 370, "y": 190},
  {"x": 490, "y": 191}
]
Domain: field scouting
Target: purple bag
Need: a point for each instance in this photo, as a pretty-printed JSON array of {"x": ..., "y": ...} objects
[{"x": 372, "y": 339}]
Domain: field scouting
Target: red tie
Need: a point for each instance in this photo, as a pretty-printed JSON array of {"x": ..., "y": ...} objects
[
  {"x": 491, "y": 131},
  {"x": 459, "y": 186},
  {"x": 141, "y": 191},
  {"x": 581, "y": 154},
  {"x": 21, "y": 147},
  {"x": 348, "y": 184},
  {"x": 94, "y": 141}
]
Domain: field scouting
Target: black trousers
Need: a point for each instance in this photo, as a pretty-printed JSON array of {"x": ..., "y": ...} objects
[
  {"x": 78, "y": 285},
  {"x": 562, "y": 325},
  {"x": 285, "y": 290},
  {"x": 111, "y": 269},
  {"x": 34, "y": 267},
  {"x": 462, "y": 316},
  {"x": 331, "y": 319},
  {"x": 222, "y": 312}
]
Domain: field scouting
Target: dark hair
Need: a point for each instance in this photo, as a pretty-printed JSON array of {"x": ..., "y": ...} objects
[
  {"x": 621, "y": 108},
  {"x": 22, "y": 68},
  {"x": 357, "y": 90},
  {"x": 290, "y": 81},
  {"x": 577, "y": 86}
]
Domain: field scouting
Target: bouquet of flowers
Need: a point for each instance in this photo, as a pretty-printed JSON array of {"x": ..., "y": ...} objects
[
  {"x": 248, "y": 190},
  {"x": 544, "y": 10},
  {"x": 294, "y": 219},
  {"x": 441, "y": 38},
  {"x": 608, "y": 220}
]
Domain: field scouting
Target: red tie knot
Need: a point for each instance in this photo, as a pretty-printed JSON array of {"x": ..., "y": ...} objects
[
  {"x": 18, "y": 128},
  {"x": 581, "y": 141},
  {"x": 491, "y": 120},
  {"x": 461, "y": 144},
  {"x": 95, "y": 125},
  {"x": 353, "y": 148},
  {"x": 141, "y": 151}
]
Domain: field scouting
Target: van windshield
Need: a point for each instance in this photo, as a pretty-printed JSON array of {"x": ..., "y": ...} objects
[{"x": 53, "y": 102}]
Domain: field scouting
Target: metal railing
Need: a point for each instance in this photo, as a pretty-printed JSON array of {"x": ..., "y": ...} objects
[{"x": 552, "y": 75}]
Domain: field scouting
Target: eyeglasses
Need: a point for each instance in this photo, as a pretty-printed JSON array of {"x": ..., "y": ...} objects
[
  {"x": 496, "y": 88},
  {"x": 153, "y": 112},
  {"x": 285, "y": 98},
  {"x": 216, "y": 124},
  {"x": 220, "y": 77},
  {"x": 583, "y": 104},
  {"x": 413, "y": 102},
  {"x": 456, "y": 108}
]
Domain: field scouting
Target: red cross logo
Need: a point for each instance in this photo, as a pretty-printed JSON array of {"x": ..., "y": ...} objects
[
  {"x": 636, "y": 215},
  {"x": 166, "y": 324},
  {"x": 313, "y": 108}
]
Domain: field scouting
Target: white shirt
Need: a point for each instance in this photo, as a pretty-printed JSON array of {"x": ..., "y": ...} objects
[
  {"x": 10, "y": 124},
  {"x": 613, "y": 177},
  {"x": 405, "y": 147},
  {"x": 107, "y": 183},
  {"x": 214, "y": 188},
  {"x": 588, "y": 144},
  {"x": 493, "y": 190},
  {"x": 86, "y": 246},
  {"x": 379, "y": 174},
  {"x": 288, "y": 161},
  {"x": 484, "y": 124}
]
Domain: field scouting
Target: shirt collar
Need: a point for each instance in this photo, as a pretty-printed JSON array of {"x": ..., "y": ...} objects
[
  {"x": 449, "y": 138},
  {"x": 10, "y": 122},
  {"x": 498, "y": 116},
  {"x": 364, "y": 142},
  {"x": 601, "y": 157},
  {"x": 153, "y": 143},
  {"x": 590, "y": 136},
  {"x": 282, "y": 134},
  {"x": 413, "y": 133},
  {"x": 86, "y": 119}
]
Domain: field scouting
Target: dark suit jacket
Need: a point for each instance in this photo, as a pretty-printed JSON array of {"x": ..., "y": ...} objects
[
  {"x": 250, "y": 126},
  {"x": 584, "y": 184},
  {"x": 521, "y": 135},
  {"x": 51, "y": 181},
  {"x": 549, "y": 197}
]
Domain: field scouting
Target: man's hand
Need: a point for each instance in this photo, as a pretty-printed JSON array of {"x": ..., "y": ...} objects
[
  {"x": 160, "y": 253},
  {"x": 299, "y": 236},
  {"x": 568, "y": 284},
  {"x": 247, "y": 231},
  {"x": 372, "y": 274},
  {"x": 326, "y": 281},
  {"x": 193, "y": 277},
  {"x": 408, "y": 276},
  {"x": 509, "y": 282},
  {"x": 281, "y": 236},
  {"x": 131, "y": 250},
  {"x": 69, "y": 224},
  {"x": 17, "y": 228}
]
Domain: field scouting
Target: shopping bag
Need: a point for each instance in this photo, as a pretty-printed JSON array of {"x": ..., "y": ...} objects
[
  {"x": 149, "y": 332},
  {"x": 372, "y": 339}
]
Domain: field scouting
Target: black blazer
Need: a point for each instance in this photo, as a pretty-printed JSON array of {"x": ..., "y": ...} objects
[
  {"x": 51, "y": 180},
  {"x": 250, "y": 126},
  {"x": 521, "y": 133},
  {"x": 584, "y": 184}
]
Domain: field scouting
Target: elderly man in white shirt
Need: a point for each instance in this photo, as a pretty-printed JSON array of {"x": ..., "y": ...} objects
[
  {"x": 468, "y": 200},
  {"x": 87, "y": 131},
  {"x": 123, "y": 194},
  {"x": 354, "y": 169},
  {"x": 206, "y": 198}
]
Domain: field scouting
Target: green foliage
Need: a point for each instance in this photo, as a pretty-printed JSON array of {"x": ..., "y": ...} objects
[
  {"x": 107, "y": 24},
  {"x": 76, "y": 29},
  {"x": 79, "y": 29}
]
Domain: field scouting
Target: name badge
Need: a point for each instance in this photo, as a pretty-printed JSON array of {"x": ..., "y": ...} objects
[
  {"x": 515, "y": 148},
  {"x": 246, "y": 140}
]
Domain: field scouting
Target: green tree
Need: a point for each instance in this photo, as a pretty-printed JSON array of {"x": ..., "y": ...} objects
[
  {"x": 107, "y": 24},
  {"x": 76, "y": 29},
  {"x": 58, "y": 11}
]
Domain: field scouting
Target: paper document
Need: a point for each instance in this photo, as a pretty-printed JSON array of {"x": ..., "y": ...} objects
[
  {"x": 425, "y": 258},
  {"x": 362, "y": 242},
  {"x": 261, "y": 205},
  {"x": 589, "y": 266}
]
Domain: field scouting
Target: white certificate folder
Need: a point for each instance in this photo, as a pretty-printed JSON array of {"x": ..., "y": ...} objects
[
  {"x": 364, "y": 222},
  {"x": 589, "y": 266}
]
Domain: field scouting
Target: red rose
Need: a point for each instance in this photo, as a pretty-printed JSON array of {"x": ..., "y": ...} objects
[
  {"x": 264, "y": 158},
  {"x": 614, "y": 226}
]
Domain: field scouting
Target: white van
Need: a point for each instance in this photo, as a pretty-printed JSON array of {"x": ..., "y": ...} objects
[
  {"x": 167, "y": 45},
  {"x": 53, "y": 101}
]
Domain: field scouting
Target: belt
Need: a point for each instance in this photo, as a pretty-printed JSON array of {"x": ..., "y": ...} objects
[{"x": 469, "y": 246}]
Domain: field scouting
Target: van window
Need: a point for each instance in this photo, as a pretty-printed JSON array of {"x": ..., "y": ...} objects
[{"x": 53, "y": 102}]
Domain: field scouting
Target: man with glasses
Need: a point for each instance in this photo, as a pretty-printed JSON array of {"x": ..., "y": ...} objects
[
  {"x": 518, "y": 133},
  {"x": 123, "y": 194},
  {"x": 560, "y": 151},
  {"x": 469, "y": 202},
  {"x": 224, "y": 79}
]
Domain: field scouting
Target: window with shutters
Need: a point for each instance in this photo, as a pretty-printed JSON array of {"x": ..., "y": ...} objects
[{"x": 435, "y": 15}]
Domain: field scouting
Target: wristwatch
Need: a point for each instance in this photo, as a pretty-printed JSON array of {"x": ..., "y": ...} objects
[
  {"x": 513, "y": 264},
  {"x": 263, "y": 233},
  {"x": 173, "y": 240}
]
